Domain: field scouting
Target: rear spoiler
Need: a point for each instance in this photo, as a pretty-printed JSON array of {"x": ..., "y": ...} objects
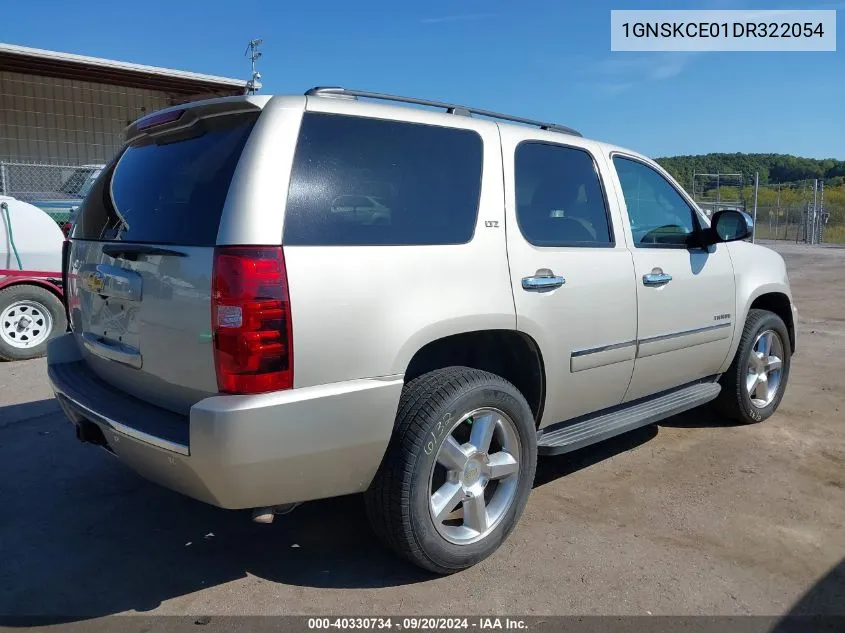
[{"x": 183, "y": 116}]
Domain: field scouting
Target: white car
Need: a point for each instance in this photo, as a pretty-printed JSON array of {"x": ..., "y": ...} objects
[{"x": 440, "y": 298}]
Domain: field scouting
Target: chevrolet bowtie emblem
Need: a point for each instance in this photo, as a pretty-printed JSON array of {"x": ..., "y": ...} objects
[{"x": 95, "y": 281}]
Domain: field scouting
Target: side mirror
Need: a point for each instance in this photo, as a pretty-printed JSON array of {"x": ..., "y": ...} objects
[{"x": 729, "y": 225}]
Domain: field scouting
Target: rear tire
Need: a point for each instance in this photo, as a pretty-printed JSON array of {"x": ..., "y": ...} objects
[
  {"x": 29, "y": 317},
  {"x": 486, "y": 489},
  {"x": 745, "y": 397}
]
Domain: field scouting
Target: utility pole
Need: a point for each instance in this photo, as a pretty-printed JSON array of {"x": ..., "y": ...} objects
[
  {"x": 756, "y": 187},
  {"x": 821, "y": 213},
  {"x": 718, "y": 192},
  {"x": 814, "y": 217},
  {"x": 254, "y": 84}
]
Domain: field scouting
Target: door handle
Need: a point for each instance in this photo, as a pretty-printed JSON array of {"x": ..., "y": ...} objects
[
  {"x": 543, "y": 279},
  {"x": 656, "y": 278}
]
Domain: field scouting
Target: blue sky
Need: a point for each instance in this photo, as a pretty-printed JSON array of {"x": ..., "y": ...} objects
[{"x": 538, "y": 58}]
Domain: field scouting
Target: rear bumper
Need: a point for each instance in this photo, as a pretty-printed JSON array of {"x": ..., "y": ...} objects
[{"x": 239, "y": 451}]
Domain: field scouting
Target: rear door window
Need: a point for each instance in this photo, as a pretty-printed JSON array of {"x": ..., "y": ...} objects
[
  {"x": 170, "y": 189},
  {"x": 362, "y": 181},
  {"x": 559, "y": 197}
]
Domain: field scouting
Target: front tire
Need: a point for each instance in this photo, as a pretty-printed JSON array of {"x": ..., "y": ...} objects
[
  {"x": 753, "y": 386},
  {"x": 29, "y": 317},
  {"x": 458, "y": 469}
]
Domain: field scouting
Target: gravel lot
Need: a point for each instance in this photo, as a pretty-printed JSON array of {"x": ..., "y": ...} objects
[{"x": 693, "y": 516}]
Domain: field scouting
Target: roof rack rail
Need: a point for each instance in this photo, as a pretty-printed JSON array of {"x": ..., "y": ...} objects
[{"x": 451, "y": 108}]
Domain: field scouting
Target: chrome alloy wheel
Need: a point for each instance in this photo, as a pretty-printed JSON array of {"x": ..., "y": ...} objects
[
  {"x": 474, "y": 477},
  {"x": 765, "y": 368},
  {"x": 25, "y": 324}
]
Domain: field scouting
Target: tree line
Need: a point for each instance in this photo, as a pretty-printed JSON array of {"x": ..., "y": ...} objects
[{"x": 773, "y": 168}]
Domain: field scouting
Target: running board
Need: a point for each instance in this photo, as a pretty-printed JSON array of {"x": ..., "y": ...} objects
[{"x": 603, "y": 425}]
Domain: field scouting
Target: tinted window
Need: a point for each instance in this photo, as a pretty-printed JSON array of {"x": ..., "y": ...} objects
[
  {"x": 359, "y": 181},
  {"x": 168, "y": 190},
  {"x": 657, "y": 212},
  {"x": 89, "y": 182},
  {"x": 559, "y": 197},
  {"x": 74, "y": 184}
]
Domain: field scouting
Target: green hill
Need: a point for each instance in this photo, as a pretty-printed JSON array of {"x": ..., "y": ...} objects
[{"x": 773, "y": 168}]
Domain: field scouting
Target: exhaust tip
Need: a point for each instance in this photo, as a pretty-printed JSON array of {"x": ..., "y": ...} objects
[
  {"x": 266, "y": 515},
  {"x": 262, "y": 515},
  {"x": 90, "y": 433}
]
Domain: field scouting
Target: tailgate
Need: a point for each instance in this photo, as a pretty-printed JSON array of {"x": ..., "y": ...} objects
[{"x": 140, "y": 265}]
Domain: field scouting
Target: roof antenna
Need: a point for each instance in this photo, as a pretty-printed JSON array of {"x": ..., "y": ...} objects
[{"x": 254, "y": 84}]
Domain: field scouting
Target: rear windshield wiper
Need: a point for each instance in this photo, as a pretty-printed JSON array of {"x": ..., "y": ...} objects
[{"x": 131, "y": 251}]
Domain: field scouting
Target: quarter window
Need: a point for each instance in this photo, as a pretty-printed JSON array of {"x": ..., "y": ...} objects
[{"x": 363, "y": 181}]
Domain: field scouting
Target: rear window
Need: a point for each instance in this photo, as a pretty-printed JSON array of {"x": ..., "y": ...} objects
[
  {"x": 360, "y": 181},
  {"x": 75, "y": 184},
  {"x": 167, "y": 190}
]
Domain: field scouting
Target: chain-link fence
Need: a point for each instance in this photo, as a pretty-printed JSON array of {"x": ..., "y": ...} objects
[
  {"x": 804, "y": 211},
  {"x": 57, "y": 189},
  {"x": 783, "y": 211},
  {"x": 717, "y": 192},
  {"x": 801, "y": 212},
  {"x": 832, "y": 215}
]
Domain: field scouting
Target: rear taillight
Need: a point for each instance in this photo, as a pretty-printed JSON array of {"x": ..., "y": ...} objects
[{"x": 251, "y": 321}]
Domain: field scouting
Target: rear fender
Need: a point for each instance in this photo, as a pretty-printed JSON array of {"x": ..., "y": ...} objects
[{"x": 49, "y": 280}]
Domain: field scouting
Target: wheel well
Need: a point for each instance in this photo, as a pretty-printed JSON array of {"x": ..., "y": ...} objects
[
  {"x": 512, "y": 355},
  {"x": 778, "y": 303}
]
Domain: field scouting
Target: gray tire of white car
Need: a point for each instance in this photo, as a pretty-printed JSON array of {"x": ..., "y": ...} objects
[{"x": 399, "y": 496}]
